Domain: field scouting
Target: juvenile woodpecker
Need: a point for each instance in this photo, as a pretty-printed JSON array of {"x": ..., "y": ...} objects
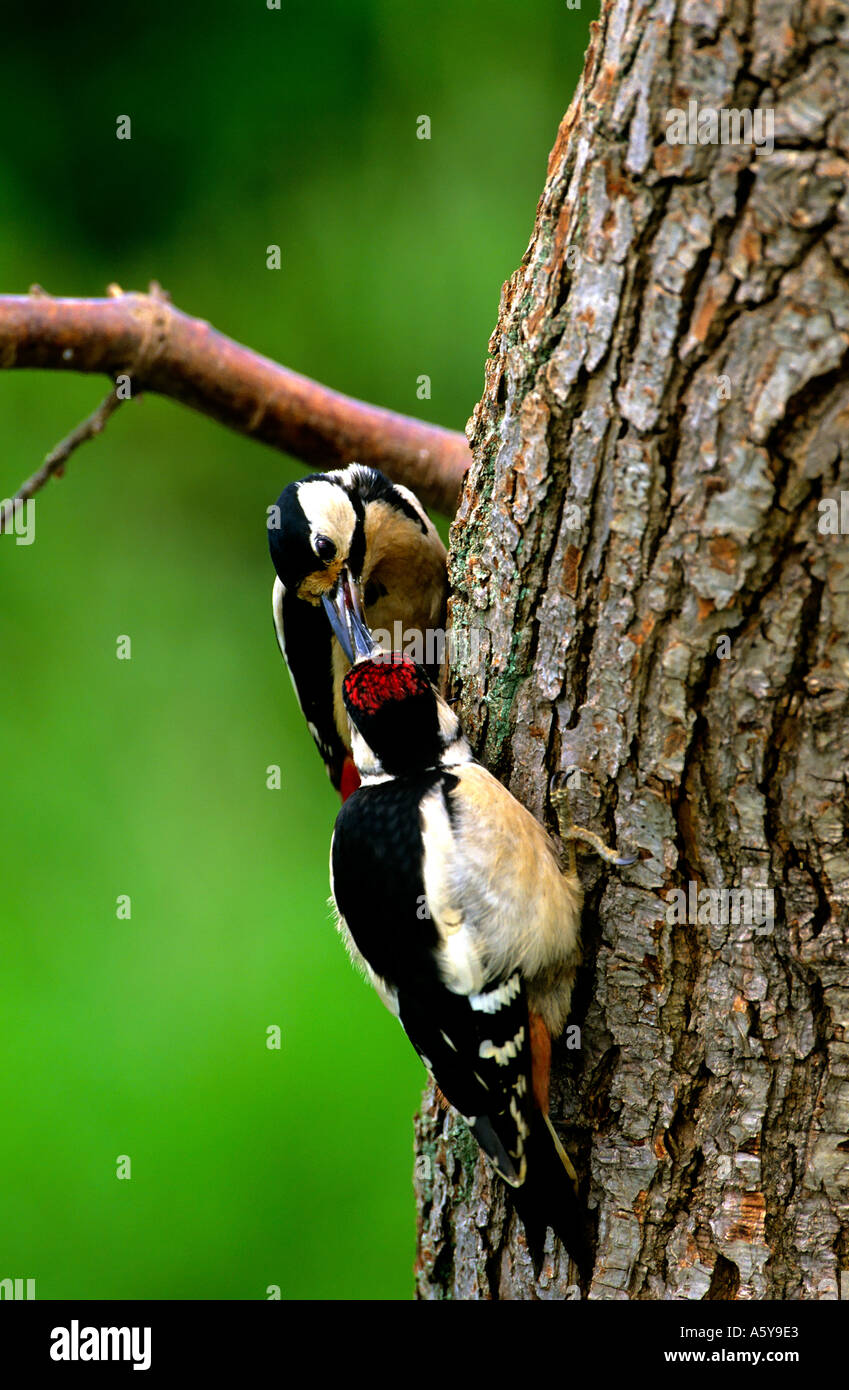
[
  {"x": 350, "y": 539},
  {"x": 450, "y": 897}
]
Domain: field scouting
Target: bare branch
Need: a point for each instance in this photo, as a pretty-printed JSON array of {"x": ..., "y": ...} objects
[
  {"x": 166, "y": 351},
  {"x": 57, "y": 458}
]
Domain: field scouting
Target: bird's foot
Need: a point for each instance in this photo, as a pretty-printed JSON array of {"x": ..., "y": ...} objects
[
  {"x": 569, "y": 832},
  {"x": 589, "y": 837}
]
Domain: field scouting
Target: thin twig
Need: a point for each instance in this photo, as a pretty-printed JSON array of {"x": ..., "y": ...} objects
[
  {"x": 167, "y": 352},
  {"x": 57, "y": 458}
]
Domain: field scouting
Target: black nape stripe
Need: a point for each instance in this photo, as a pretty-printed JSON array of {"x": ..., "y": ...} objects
[{"x": 374, "y": 487}]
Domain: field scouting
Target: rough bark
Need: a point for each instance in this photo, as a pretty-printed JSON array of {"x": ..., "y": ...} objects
[{"x": 664, "y": 410}]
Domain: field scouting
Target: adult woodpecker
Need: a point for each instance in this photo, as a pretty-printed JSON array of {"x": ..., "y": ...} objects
[
  {"x": 350, "y": 539},
  {"x": 450, "y": 897}
]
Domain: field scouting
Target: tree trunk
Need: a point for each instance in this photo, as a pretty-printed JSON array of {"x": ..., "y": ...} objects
[{"x": 649, "y": 550}]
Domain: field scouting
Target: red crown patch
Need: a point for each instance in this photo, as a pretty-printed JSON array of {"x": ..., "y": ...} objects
[{"x": 383, "y": 679}]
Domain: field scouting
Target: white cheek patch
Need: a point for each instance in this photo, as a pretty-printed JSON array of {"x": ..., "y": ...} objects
[
  {"x": 455, "y": 748},
  {"x": 457, "y": 754},
  {"x": 368, "y": 766},
  {"x": 449, "y": 724},
  {"x": 328, "y": 511}
]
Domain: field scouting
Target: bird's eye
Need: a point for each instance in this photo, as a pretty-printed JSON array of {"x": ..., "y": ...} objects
[{"x": 324, "y": 549}]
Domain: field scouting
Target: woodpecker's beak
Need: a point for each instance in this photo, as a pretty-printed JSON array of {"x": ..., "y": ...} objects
[{"x": 345, "y": 614}]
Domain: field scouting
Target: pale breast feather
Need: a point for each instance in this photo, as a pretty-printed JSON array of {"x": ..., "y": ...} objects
[{"x": 494, "y": 885}]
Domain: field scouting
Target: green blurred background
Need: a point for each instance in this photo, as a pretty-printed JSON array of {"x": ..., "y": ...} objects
[{"x": 250, "y": 1167}]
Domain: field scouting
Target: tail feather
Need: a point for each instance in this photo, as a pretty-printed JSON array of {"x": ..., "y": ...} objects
[{"x": 548, "y": 1198}]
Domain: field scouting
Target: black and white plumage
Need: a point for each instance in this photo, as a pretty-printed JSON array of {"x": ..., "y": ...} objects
[
  {"x": 450, "y": 896},
  {"x": 352, "y": 536}
]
